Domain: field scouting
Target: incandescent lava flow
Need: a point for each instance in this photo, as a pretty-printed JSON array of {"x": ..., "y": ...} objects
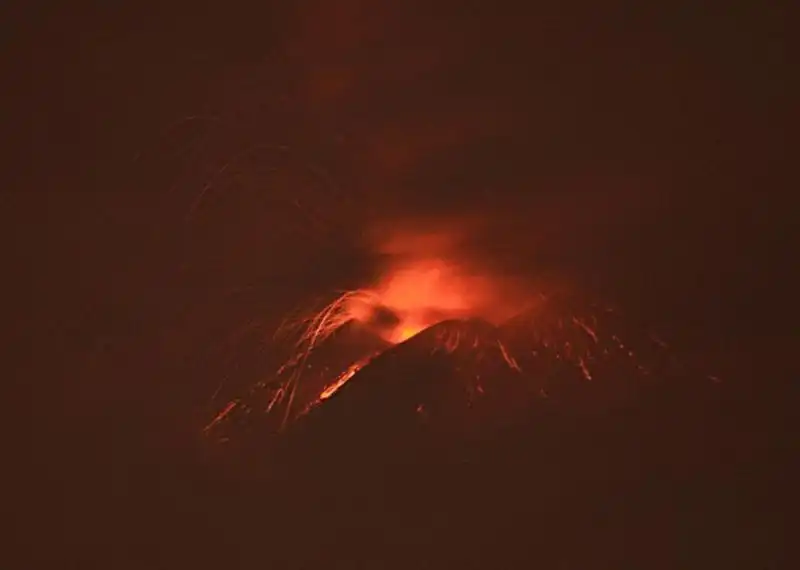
[{"x": 439, "y": 340}]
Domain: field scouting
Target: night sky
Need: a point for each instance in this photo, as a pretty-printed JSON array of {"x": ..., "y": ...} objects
[{"x": 644, "y": 150}]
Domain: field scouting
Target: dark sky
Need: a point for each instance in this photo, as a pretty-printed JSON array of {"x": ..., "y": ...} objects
[{"x": 642, "y": 147}]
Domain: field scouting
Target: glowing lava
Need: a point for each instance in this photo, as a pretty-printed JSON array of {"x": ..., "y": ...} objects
[
  {"x": 430, "y": 277},
  {"x": 417, "y": 295},
  {"x": 342, "y": 379}
]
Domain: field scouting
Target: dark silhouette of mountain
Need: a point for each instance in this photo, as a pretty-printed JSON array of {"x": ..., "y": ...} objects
[
  {"x": 443, "y": 379},
  {"x": 469, "y": 376},
  {"x": 410, "y": 460}
]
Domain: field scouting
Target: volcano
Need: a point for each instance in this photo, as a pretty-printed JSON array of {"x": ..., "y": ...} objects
[
  {"x": 464, "y": 380},
  {"x": 471, "y": 432},
  {"x": 549, "y": 428},
  {"x": 459, "y": 375}
]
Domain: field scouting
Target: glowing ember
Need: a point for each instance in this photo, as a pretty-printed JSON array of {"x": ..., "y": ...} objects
[
  {"x": 341, "y": 380},
  {"x": 229, "y": 407}
]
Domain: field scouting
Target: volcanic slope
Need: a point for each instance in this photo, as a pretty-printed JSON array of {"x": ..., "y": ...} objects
[
  {"x": 468, "y": 376},
  {"x": 473, "y": 434},
  {"x": 440, "y": 377}
]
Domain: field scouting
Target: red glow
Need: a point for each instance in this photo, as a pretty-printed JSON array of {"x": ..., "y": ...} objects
[
  {"x": 428, "y": 278},
  {"x": 420, "y": 293}
]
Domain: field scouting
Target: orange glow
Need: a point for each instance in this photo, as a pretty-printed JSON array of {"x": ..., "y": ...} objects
[
  {"x": 418, "y": 294},
  {"x": 428, "y": 278}
]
